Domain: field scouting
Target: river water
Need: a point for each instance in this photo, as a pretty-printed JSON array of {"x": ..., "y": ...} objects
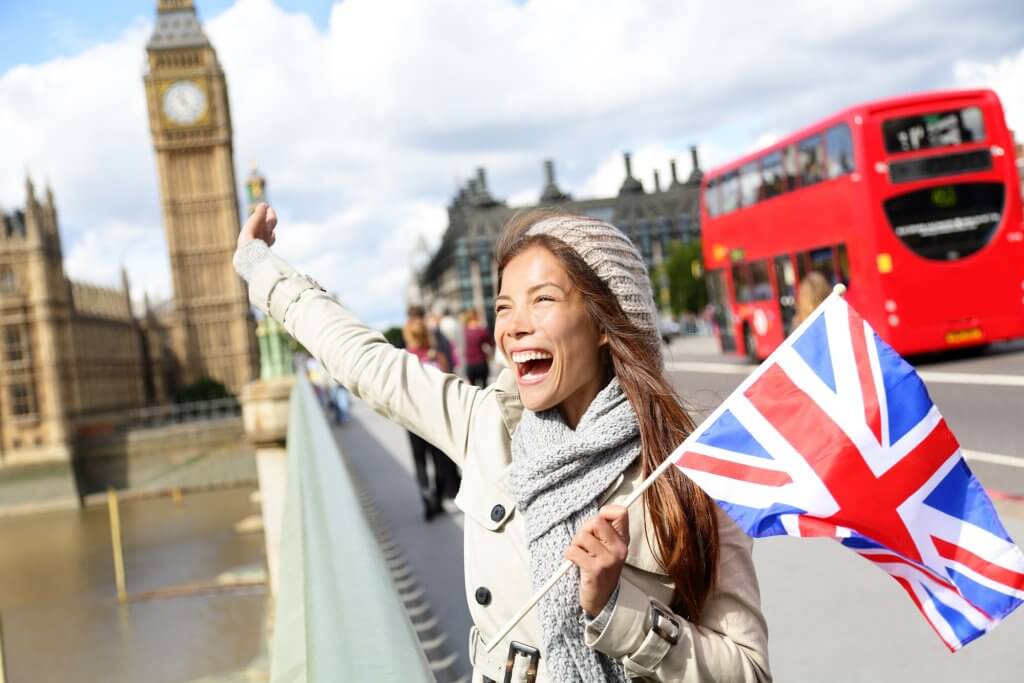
[{"x": 58, "y": 603}]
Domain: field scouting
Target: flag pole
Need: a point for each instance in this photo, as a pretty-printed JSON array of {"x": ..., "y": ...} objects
[{"x": 837, "y": 290}]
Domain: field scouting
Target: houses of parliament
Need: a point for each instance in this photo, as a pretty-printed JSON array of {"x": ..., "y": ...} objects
[{"x": 74, "y": 354}]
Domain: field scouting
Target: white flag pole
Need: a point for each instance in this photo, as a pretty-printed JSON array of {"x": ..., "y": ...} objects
[{"x": 566, "y": 565}]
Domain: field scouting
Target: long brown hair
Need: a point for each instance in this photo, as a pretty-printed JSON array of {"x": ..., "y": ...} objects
[{"x": 683, "y": 516}]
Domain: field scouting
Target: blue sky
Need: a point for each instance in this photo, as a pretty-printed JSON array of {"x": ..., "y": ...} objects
[
  {"x": 34, "y": 31},
  {"x": 364, "y": 115}
]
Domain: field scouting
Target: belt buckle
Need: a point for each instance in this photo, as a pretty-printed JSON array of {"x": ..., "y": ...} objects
[{"x": 517, "y": 648}]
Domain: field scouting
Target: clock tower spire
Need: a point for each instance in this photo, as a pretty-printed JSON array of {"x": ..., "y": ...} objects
[{"x": 190, "y": 121}]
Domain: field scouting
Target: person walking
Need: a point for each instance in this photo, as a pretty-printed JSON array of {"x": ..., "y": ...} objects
[
  {"x": 664, "y": 592},
  {"x": 479, "y": 346},
  {"x": 433, "y": 489}
]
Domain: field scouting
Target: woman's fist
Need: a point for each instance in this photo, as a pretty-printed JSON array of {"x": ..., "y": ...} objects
[
  {"x": 599, "y": 550},
  {"x": 260, "y": 226}
]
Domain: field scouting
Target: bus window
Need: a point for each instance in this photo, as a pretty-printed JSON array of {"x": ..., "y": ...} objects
[
  {"x": 729, "y": 192},
  {"x": 752, "y": 282},
  {"x": 821, "y": 261},
  {"x": 811, "y": 161},
  {"x": 750, "y": 184},
  {"x": 785, "y": 282},
  {"x": 762, "y": 284},
  {"x": 722, "y": 311},
  {"x": 938, "y": 129},
  {"x": 839, "y": 147},
  {"x": 711, "y": 197},
  {"x": 844, "y": 264},
  {"x": 789, "y": 164},
  {"x": 774, "y": 179},
  {"x": 741, "y": 282}
]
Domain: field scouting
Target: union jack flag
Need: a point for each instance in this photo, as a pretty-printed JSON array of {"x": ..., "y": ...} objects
[{"x": 835, "y": 435}]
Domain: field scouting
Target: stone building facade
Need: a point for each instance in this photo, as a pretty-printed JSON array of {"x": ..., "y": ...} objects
[
  {"x": 74, "y": 356},
  {"x": 462, "y": 273},
  {"x": 70, "y": 350}
]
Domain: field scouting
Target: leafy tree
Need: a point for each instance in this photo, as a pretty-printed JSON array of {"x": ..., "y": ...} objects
[
  {"x": 394, "y": 335},
  {"x": 683, "y": 266}
]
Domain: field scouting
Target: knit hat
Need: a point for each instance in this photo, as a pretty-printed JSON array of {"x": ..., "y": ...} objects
[{"x": 615, "y": 260}]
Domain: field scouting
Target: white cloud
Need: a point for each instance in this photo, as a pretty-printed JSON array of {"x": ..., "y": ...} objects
[
  {"x": 363, "y": 128},
  {"x": 1006, "y": 77}
]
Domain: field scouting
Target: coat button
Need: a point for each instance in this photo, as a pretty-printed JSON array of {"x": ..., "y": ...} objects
[
  {"x": 483, "y": 596},
  {"x": 497, "y": 513}
]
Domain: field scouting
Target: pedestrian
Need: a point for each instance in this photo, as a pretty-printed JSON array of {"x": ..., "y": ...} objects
[
  {"x": 813, "y": 290},
  {"x": 436, "y": 479},
  {"x": 479, "y": 347},
  {"x": 439, "y": 340},
  {"x": 451, "y": 328},
  {"x": 663, "y": 592}
]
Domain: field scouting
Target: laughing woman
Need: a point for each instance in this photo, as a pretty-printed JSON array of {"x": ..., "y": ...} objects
[{"x": 665, "y": 592}]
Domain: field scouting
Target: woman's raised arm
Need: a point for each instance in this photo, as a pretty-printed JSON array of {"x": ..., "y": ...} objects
[{"x": 421, "y": 398}]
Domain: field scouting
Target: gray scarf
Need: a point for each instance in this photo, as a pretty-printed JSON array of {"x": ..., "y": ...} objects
[{"x": 557, "y": 475}]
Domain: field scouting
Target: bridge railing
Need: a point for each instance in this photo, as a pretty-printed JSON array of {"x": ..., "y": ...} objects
[{"x": 338, "y": 614}]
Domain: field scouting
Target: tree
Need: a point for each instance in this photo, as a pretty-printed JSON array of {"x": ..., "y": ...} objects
[
  {"x": 683, "y": 266},
  {"x": 394, "y": 335}
]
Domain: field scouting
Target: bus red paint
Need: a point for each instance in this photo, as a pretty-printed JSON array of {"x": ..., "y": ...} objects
[{"x": 913, "y": 202}]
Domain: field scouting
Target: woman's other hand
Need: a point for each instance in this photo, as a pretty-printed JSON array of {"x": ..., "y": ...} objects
[
  {"x": 260, "y": 226},
  {"x": 599, "y": 550}
]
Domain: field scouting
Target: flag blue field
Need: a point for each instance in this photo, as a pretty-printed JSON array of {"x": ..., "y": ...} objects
[{"x": 834, "y": 435}]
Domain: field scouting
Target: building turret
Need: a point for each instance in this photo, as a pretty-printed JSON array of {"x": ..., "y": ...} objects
[
  {"x": 630, "y": 185},
  {"x": 696, "y": 174},
  {"x": 552, "y": 194},
  {"x": 657, "y": 181},
  {"x": 675, "y": 175}
]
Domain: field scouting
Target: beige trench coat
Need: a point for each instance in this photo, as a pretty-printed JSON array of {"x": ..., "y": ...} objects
[{"x": 473, "y": 426}]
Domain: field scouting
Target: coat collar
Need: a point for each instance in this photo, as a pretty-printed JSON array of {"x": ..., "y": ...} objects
[
  {"x": 506, "y": 393},
  {"x": 641, "y": 534}
]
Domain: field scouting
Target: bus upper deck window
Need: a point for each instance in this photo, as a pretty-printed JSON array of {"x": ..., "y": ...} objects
[
  {"x": 750, "y": 184},
  {"x": 811, "y": 161},
  {"x": 790, "y": 166},
  {"x": 773, "y": 181},
  {"x": 729, "y": 192},
  {"x": 711, "y": 197},
  {"x": 839, "y": 147}
]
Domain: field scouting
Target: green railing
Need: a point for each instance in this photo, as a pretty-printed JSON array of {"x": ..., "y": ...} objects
[{"x": 338, "y": 617}]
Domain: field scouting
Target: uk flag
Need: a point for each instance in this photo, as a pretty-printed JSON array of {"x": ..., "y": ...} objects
[{"x": 835, "y": 435}]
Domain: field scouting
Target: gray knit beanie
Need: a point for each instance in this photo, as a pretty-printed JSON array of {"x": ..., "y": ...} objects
[{"x": 615, "y": 259}]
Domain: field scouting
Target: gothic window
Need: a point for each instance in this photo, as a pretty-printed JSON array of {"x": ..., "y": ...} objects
[
  {"x": 22, "y": 400},
  {"x": 7, "y": 283},
  {"x": 14, "y": 344}
]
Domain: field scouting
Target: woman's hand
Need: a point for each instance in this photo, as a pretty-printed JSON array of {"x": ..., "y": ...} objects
[
  {"x": 599, "y": 550},
  {"x": 260, "y": 226}
]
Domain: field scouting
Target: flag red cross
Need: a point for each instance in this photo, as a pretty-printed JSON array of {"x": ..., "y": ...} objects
[{"x": 867, "y": 503}]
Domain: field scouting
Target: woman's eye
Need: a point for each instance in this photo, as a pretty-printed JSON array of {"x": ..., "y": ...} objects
[{"x": 544, "y": 298}]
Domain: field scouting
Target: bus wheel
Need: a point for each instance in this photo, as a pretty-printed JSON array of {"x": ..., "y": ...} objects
[{"x": 750, "y": 344}]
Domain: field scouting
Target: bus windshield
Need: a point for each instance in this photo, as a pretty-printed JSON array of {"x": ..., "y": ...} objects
[{"x": 939, "y": 129}]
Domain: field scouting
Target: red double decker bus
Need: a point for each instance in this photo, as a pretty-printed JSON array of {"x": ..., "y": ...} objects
[{"x": 914, "y": 203}]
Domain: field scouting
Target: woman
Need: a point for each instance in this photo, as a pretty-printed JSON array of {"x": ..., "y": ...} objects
[
  {"x": 664, "y": 593},
  {"x": 813, "y": 290},
  {"x": 478, "y": 345},
  {"x": 417, "y": 340}
]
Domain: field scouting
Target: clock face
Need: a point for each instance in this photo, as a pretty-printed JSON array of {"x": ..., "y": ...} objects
[{"x": 184, "y": 102}]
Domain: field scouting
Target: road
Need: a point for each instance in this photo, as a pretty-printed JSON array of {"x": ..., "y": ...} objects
[{"x": 831, "y": 616}]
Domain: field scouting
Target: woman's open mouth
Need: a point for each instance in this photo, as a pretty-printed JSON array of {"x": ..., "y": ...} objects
[{"x": 532, "y": 366}]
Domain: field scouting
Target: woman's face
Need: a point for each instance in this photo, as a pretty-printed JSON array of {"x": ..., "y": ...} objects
[{"x": 543, "y": 329}]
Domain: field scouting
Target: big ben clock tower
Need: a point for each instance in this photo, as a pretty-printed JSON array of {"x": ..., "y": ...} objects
[{"x": 213, "y": 332}]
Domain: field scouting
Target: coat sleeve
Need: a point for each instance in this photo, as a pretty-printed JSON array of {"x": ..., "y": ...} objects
[
  {"x": 435, "y": 405},
  {"x": 729, "y": 644}
]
